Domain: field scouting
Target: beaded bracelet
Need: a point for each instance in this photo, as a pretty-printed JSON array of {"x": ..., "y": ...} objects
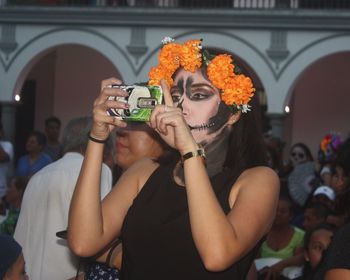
[{"x": 96, "y": 140}]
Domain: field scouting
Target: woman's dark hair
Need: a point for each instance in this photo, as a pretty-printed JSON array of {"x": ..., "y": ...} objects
[
  {"x": 343, "y": 157},
  {"x": 309, "y": 233},
  {"x": 40, "y": 137},
  {"x": 275, "y": 157},
  {"x": 246, "y": 143},
  {"x": 305, "y": 149},
  {"x": 342, "y": 201},
  {"x": 53, "y": 119}
]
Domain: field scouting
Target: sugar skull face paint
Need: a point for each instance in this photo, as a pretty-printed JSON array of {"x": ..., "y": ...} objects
[
  {"x": 298, "y": 156},
  {"x": 200, "y": 102}
]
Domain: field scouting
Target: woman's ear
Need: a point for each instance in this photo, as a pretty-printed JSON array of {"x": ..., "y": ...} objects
[{"x": 234, "y": 118}]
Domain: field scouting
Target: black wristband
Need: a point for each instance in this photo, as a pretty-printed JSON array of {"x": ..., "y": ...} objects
[
  {"x": 96, "y": 140},
  {"x": 198, "y": 153}
]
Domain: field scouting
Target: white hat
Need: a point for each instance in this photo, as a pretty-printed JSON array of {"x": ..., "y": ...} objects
[{"x": 325, "y": 190}]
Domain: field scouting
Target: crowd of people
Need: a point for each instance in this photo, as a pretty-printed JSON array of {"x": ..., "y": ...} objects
[
  {"x": 313, "y": 206},
  {"x": 197, "y": 192}
]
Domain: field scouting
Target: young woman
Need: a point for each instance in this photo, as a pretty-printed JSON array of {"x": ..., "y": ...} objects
[
  {"x": 35, "y": 159},
  {"x": 192, "y": 218},
  {"x": 284, "y": 241},
  {"x": 317, "y": 241},
  {"x": 132, "y": 143}
]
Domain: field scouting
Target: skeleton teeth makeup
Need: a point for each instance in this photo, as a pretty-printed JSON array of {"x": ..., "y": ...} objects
[{"x": 203, "y": 126}]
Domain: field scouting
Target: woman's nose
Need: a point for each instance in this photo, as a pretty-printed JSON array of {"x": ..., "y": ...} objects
[{"x": 184, "y": 105}]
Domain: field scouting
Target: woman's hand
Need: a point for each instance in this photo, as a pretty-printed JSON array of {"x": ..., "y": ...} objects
[
  {"x": 169, "y": 122},
  {"x": 103, "y": 124}
]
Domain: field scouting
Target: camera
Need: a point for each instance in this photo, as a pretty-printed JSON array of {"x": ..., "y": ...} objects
[{"x": 141, "y": 100}]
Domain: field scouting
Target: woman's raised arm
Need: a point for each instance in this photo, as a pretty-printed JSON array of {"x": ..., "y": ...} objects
[{"x": 88, "y": 225}]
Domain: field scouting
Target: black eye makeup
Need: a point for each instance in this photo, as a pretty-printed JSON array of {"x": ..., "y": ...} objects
[
  {"x": 200, "y": 94},
  {"x": 175, "y": 95},
  {"x": 298, "y": 155}
]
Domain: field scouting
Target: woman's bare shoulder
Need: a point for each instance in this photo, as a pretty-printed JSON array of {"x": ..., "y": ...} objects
[
  {"x": 256, "y": 181},
  {"x": 260, "y": 174}
]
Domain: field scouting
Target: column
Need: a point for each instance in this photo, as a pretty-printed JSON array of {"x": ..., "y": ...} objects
[{"x": 8, "y": 117}]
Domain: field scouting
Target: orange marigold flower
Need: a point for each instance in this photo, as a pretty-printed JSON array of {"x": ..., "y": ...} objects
[
  {"x": 158, "y": 73},
  {"x": 221, "y": 70},
  {"x": 239, "y": 91},
  {"x": 169, "y": 57},
  {"x": 190, "y": 55},
  {"x": 236, "y": 90}
]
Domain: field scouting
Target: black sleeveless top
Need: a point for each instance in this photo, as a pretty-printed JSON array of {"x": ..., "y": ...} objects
[{"x": 156, "y": 234}]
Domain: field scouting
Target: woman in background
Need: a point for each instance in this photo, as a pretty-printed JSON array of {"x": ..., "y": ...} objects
[
  {"x": 35, "y": 159},
  {"x": 132, "y": 143}
]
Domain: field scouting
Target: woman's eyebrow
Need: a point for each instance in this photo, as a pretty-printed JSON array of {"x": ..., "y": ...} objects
[
  {"x": 178, "y": 88},
  {"x": 203, "y": 86},
  {"x": 174, "y": 88}
]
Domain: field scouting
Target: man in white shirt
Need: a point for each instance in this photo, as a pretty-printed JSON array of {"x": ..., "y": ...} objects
[{"x": 45, "y": 208}]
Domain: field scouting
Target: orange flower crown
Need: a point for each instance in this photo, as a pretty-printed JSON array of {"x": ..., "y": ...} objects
[{"x": 236, "y": 89}]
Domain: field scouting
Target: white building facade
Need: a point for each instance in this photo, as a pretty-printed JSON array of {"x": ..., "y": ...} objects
[{"x": 285, "y": 49}]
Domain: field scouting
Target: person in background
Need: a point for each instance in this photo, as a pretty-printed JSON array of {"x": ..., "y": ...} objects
[
  {"x": 13, "y": 198},
  {"x": 317, "y": 241},
  {"x": 284, "y": 241},
  {"x": 327, "y": 153},
  {"x": 185, "y": 219},
  {"x": 341, "y": 184},
  {"x": 45, "y": 207},
  {"x": 132, "y": 143},
  {"x": 35, "y": 159},
  {"x": 12, "y": 265},
  {"x": 336, "y": 263},
  {"x": 6, "y": 158},
  {"x": 301, "y": 178},
  {"x": 274, "y": 146},
  {"x": 314, "y": 215},
  {"x": 53, "y": 146},
  {"x": 324, "y": 195}
]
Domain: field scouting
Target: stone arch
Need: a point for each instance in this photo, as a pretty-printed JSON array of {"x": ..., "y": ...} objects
[
  {"x": 306, "y": 57},
  {"x": 28, "y": 54},
  {"x": 312, "y": 116}
]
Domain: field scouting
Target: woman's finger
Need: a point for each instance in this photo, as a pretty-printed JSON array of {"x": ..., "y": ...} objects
[
  {"x": 101, "y": 117},
  {"x": 166, "y": 93},
  {"x": 109, "y": 92},
  {"x": 109, "y": 82},
  {"x": 170, "y": 117}
]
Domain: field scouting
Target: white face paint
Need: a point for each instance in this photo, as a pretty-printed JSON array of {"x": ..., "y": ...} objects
[
  {"x": 200, "y": 102},
  {"x": 298, "y": 156}
]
